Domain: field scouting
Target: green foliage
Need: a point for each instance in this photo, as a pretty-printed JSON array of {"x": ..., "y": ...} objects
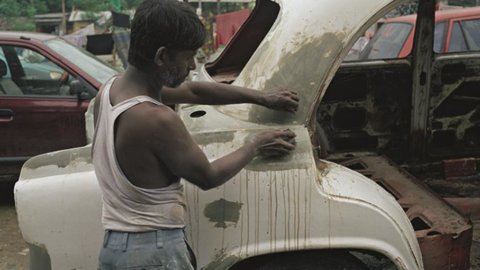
[
  {"x": 91, "y": 5},
  {"x": 9, "y": 8},
  {"x": 40, "y": 7},
  {"x": 131, "y": 4},
  {"x": 15, "y": 8},
  {"x": 465, "y": 3},
  {"x": 21, "y": 24},
  {"x": 52, "y": 5},
  {"x": 28, "y": 8}
]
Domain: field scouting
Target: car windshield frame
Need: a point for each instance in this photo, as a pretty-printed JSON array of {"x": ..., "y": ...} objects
[{"x": 84, "y": 60}]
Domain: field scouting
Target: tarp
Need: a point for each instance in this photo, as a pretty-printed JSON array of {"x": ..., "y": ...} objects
[
  {"x": 79, "y": 38},
  {"x": 228, "y": 24},
  {"x": 120, "y": 19},
  {"x": 100, "y": 44}
]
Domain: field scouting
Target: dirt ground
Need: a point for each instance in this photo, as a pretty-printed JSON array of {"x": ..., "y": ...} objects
[
  {"x": 14, "y": 251},
  {"x": 475, "y": 252}
]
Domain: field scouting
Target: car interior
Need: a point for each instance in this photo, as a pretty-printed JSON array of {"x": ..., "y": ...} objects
[
  {"x": 7, "y": 86},
  {"x": 25, "y": 72}
]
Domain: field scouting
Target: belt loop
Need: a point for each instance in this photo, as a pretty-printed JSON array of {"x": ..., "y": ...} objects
[
  {"x": 159, "y": 238},
  {"x": 106, "y": 236},
  {"x": 125, "y": 241}
]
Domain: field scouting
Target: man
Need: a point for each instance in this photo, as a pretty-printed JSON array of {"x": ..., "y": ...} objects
[{"x": 141, "y": 148}]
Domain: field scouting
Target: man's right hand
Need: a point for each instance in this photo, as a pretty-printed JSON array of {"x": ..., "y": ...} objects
[{"x": 273, "y": 143}]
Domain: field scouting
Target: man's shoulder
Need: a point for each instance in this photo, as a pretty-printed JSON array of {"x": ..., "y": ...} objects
[
  {"x": 148, "y": 120},
  {"x": 156, "y": 115}
]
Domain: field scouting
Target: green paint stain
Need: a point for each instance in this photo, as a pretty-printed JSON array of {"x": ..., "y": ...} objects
[{"x": 222, "y": 211}]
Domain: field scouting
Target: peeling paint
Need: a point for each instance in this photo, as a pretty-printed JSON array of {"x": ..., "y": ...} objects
[
  {"x": 223, "y": 213},
  {"x": 57, "y": 163}
]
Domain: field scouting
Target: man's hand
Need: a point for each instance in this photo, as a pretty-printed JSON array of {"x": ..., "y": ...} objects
[
  {"x": 273, "y": 142},
  {"x": 281, "y": 99}
]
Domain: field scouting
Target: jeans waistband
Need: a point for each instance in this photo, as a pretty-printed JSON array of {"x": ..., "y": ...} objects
[{"x": 122, "y": 240}]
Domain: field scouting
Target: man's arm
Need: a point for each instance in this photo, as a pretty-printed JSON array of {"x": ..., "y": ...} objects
[
  {"x": 178, "y": 151},
  {"x": 210, "y": 93}
]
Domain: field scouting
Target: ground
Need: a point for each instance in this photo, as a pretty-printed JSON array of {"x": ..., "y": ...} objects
[
  {"x": 475, "y": 258},
  {"x": 14, "y": 251}
]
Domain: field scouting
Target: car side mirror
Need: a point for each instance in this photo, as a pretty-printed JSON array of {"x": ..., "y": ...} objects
[{"x": 76, "y": 88}]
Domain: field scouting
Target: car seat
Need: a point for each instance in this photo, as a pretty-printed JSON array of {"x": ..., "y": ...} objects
[{"x": 7, "y": 86}]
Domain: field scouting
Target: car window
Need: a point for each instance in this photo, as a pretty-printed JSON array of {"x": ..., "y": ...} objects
[
  {"x": 471, "y": 30},
  {"x": 457, "y": 41},
  {"x": 394, "y": 36},
  {"x": 82, "y": 59},
  {"x": 29, "y": 73},
  {"x": 4, "y": 69},
  {"x": 388, "y": 41},
  {"x": 438, "y": 37}
]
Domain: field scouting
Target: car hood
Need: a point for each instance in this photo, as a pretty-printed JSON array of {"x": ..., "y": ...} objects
[{"x": 302, "y": 51}]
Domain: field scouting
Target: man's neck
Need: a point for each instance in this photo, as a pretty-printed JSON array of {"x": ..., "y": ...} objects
[{"x": 146, "y": 83}]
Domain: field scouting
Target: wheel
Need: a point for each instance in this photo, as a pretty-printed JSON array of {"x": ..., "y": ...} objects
[{"x": 305, "y": 260}]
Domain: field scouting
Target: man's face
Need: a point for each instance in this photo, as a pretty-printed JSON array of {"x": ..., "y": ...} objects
[{"x": 179, "y": 65}]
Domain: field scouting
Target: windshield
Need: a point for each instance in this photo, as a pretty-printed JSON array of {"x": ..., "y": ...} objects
[{"x": 82, "y": 59}]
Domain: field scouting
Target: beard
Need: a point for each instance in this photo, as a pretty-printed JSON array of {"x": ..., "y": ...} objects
[{"x": 172, "y": 77}]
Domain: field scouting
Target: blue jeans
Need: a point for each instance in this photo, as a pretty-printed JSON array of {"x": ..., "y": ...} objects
[{"x": 162, "y": 249}]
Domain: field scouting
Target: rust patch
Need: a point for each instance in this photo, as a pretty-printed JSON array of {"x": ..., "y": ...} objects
[
  {"x": 459, "y": 167},
  {"x": 444, "y": 236}
]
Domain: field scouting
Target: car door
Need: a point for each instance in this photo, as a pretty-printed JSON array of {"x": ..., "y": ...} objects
[
  {"x": 38, "y": 110},
  {"x": 454, "y": 97}
]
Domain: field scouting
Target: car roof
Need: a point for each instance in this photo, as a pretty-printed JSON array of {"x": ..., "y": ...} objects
[
  {"x": 25, "y": 35},
  {"x": 441, "y": 15}
]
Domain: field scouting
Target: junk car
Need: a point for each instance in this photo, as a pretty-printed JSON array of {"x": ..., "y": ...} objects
[{"x": 351, "y": 196}]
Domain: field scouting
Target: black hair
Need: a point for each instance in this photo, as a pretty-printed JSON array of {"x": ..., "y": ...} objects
[{"x": 169, "y": 23}]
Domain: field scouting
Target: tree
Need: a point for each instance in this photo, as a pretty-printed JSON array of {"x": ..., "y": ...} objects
[{"x": 9, "y": 8}]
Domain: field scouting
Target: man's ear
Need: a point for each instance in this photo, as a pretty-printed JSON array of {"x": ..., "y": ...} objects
[{"x": 161, "y": 56}]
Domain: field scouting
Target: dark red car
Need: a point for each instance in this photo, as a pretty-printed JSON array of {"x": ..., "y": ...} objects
[{"x": 45, "y": 88}]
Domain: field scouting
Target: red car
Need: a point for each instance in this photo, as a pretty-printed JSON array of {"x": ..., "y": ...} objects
[
  {"x": 45, "y": 88},
  {"x": 456, "y": 30}
]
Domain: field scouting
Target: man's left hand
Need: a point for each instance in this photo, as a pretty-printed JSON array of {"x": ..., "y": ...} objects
[{"x": 281, "y": 99}]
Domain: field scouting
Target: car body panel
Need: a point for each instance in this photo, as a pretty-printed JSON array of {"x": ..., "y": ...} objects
[
  {"x": 284, "y": 58},
  {"x": 293, "y": 203},
  {"x": 36, "y": 124},
  {"x": 270, "y": 206}
]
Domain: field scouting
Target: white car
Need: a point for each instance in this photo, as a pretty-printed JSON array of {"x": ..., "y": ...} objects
[{"x": 299, "y": 211}]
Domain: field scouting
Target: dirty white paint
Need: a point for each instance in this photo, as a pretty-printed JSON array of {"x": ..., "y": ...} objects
[
  {"x": 297, "y": 206},
  {"x": 273, "y": 205}
]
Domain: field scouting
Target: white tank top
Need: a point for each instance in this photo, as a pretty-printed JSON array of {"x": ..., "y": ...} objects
[{"x": 126, "y": 207}]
